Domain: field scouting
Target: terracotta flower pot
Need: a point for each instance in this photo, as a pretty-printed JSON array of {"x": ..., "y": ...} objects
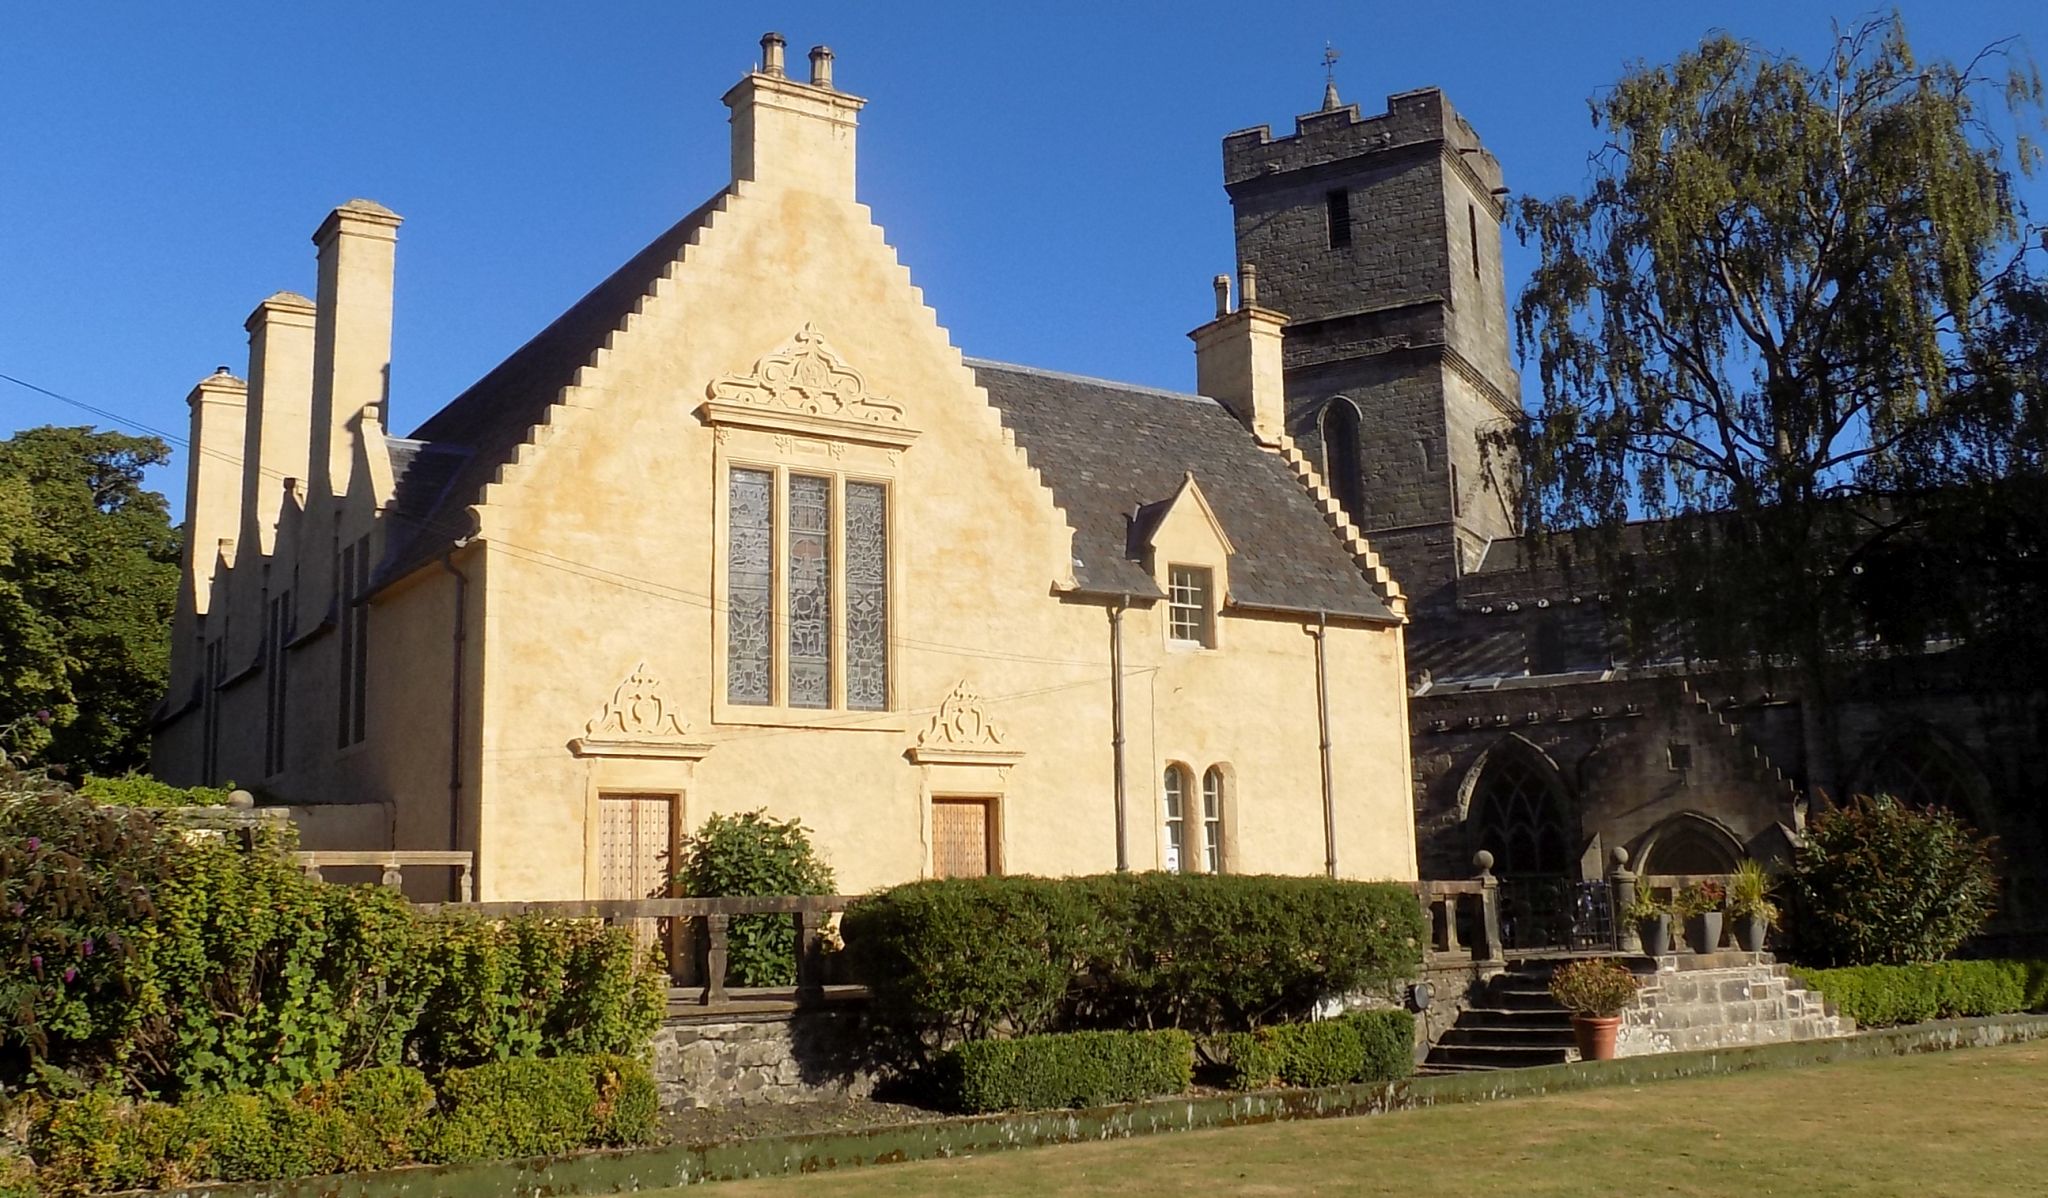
[
  {"x": 1656, "y": 935},
  {"x": 1749, "y": 933},
  {"x": 1595, "y": 1034},
  {"x": 1703, "y": 931}
]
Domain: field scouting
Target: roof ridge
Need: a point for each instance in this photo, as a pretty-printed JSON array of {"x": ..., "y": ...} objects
[{"x": 1091, "y": 380}]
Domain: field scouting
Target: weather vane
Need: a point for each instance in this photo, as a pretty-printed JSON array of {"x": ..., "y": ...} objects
[{"x": 1330, "y": 57}]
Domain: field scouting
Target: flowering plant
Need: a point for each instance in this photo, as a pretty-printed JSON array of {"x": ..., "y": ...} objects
[
  {"x": 1596, "y": 986},
  {"x": 1700, "y": 898}
]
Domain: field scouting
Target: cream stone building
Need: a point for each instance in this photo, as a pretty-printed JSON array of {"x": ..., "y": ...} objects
[{"x": 742, "y": 529}]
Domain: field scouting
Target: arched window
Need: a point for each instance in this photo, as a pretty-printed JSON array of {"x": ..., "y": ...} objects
[
  {"x": 1177, "y": 787},
  {"x": 1212, "y": 820},
  {"x": 1517, "y": 814},
  {"x": 1919, "y": 770},
  {"x": 1343, "y": 459},
  {"x": 1689, "y": 844}
]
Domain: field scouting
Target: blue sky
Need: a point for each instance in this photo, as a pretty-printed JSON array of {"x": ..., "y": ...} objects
[{"x": 1050, "y": 173}]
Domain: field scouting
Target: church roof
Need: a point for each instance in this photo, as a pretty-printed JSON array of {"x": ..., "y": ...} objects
[{"x": 1110, "y": 449}]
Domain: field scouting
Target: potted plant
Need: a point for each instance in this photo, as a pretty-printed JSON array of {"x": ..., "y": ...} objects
[
  {"x": 1652, "y": 917},
  {"x": 1594, "y": 990},
  {"x": 1700, "y": 904},
  {"x": 1750, "y": 905}
]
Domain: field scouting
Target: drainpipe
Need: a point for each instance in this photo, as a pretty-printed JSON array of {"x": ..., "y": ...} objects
[
  {"x": 1321, "y": 633},
  {"x": 1116, "y": 718},
  {"x": 455, "y": 712}
]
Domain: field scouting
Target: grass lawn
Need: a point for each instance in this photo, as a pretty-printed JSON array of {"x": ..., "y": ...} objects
[{"x": 1951, "y": 1124}]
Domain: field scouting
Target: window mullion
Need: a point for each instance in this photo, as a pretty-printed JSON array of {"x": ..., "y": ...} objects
[
  {"x": 779, "y": 622},
  {"x": 836, "y": 588}
]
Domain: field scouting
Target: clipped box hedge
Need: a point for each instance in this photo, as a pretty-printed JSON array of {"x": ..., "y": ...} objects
[
  {"x": 1882, "y": 995},
  {"x": 371, "y": 1119},
  {"x": 972, "y": 958},
  {"x": 1072, "y": 1069},
  {"x": 1365, "y": 1046}
]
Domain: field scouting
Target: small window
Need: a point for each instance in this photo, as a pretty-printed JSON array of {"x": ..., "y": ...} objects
[
  {"x": 1339, "y": 205},
  {"x": 1187, "y": 605},
  {"x": 1176, "y": 818},
  {"x": 1679, "y": 755},
  {"x": 1472, "y": 223},
  {"x": 1212, "y": 820}
]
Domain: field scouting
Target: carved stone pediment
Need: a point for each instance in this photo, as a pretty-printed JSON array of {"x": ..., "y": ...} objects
[
  {"x": 961, "y": 732},
  {"x": 638, "y": 721},
  {"x": 804, "y": 386}
]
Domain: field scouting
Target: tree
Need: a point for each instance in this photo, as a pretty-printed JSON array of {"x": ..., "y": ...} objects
[
  {"x": 749, "y": 855},
  {"x": 88, "y": 580},
  {"x": 1777, "y": 322},
  {"x": 1881, "y": 883}
]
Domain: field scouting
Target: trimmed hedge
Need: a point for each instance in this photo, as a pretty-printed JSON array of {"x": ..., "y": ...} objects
[
  {"x": 1882, "y": 995},
  {"x": 1365, "y": 1046},
  {"x": 372, "y": 1119},
  {"x": 972, "y": 958},
  {"x": 1074, "y": 1069}
]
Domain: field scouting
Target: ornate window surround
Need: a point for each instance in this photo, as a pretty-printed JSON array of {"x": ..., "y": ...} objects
[
  {"x": 802, "y": 410},
  {"x": 637, "y": 742},
  {"x": 964, "y": 754}
]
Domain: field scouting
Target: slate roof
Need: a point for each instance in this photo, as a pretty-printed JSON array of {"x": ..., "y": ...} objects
[
  {"x": 485, "y": 425},
  {"x": 1110, "y": 449}
]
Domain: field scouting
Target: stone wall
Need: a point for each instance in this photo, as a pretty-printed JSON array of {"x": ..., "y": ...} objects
[{"x": 746, "y": 1059}]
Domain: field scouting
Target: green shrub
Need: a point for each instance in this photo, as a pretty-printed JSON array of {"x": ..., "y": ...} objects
[
  {"x": 748, "y": 855},
  {"x": 1074, "y": 1069},
  {"x": 1881, "y": 883},
  {"x": 17, "y": 1175},
  {"x": 1882, "y": 995},
  {"x": 1596, "y": 986},
  {"x": 1366, "y": 1046},
  {"x": 969, "y": 958},
  {"x": 524, "y": 1108},
  {"x": 141, "y": 790}
]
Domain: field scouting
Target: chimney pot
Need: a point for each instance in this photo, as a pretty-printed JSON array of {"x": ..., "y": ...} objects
[
  {"x": 1222, "y": 295},
  {"x": 771, "y": 54},
  {"x": 821, "y": 66},
  {"x": 1247, "y": 286}
]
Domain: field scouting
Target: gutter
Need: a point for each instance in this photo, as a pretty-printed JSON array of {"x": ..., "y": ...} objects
[
  {"x": 459, "y": 636},
  {"x": 1321, "y": 633}
]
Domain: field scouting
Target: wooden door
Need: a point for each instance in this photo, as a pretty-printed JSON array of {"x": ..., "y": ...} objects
[
  {"x": 636, "y": 854},
  {"x": 963, "y": 838}
]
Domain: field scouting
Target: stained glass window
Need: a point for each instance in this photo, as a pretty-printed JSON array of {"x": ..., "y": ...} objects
[
  {"x": 1212, "y": 820},
  {"x": 750, "y": 587},
  {"x": 810, "y": 591},
  {"x": 867, "y": 596},
  {"x": 1176, "y": 816}
]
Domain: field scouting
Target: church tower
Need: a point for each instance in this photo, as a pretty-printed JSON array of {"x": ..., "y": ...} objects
[{"x": 1380, "y": 240}]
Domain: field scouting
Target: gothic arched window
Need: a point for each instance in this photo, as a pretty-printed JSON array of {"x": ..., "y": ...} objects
[
  {"x": 1343, "y": 458},
  {"x": 1517, "y": 814},
  {"x": 1919, "y": 770},
  {"x": 1688, "y": 844}
]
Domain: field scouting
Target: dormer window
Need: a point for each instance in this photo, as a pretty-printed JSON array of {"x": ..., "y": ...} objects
[{"x": 1190, "y": 618}]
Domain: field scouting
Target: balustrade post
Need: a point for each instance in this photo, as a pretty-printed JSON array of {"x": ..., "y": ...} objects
[
  {"x": 1450, "y": 905},
  {"x": 465, "y": 886},
  {"x": 393, "y": 876},
  {"x": 1489, "y": 906},
  {"x": 313, "y": 872},
  {"x": 714, "y": 958},
  {"x": 1621, "y": 886},
  {"x": 809, "y": 985}
]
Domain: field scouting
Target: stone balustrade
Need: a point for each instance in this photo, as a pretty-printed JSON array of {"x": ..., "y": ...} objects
[{"x": 392, "y": 863}]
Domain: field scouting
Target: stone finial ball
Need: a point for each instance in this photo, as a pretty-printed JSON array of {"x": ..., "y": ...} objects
[
  {"x": 241, "y": 799},
  {"x": 1482, "y": 860},
  {"x": 1620, "y": 856}
]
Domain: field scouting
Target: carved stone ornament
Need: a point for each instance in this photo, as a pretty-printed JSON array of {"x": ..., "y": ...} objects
[
  {"x": 638, "y": 721},
  {"x": 804, "y": 386},
  {"x": 962, "y": 732}
]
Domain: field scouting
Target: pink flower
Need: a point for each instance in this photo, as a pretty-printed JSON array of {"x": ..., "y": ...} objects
[{"x": 70, "y": 973}]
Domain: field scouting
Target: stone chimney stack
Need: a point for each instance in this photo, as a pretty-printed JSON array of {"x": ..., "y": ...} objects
[
  {"x": 351, "y": 335},
  {"x": 1237, "y": 359},
  {"x": 792, "y": 134},
  {"x": 213, "y": 478},
  {"x": 275, "y": 445}
]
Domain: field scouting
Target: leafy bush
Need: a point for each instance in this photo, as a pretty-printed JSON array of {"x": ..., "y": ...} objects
[
  {"x": 1596, "y": 986},
  {"x": 1366, "y": 1046},
  {"x": 372, "y": 1119},
  {"x": 1881, "y": 883},
  {"x": 1075, "y": 1069},
  {"x": 968, "y": 958},
  {"x": 1881, "y": 995},
  {"x": 1749, "y": 893},
  {"x": 152, "y": 964},
  {"x": 540, "y": 1107},
  {"x": 141, "y": 790},
  {"x": 749, "y": 855}
]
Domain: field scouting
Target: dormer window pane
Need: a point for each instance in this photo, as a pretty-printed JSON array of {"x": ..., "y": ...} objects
[{"x": 1187, "y": 605}]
